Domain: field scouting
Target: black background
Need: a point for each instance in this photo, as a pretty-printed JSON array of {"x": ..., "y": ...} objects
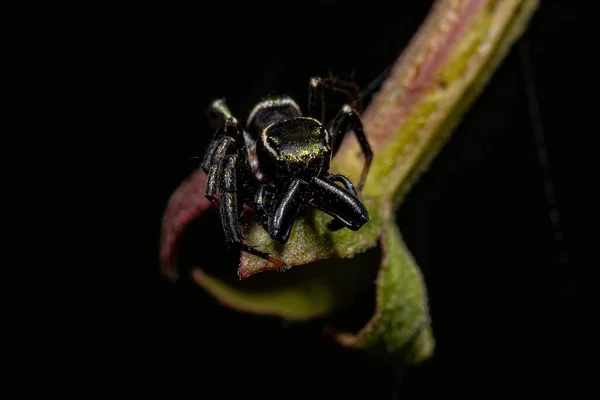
[{"x": 511, "y": 305}]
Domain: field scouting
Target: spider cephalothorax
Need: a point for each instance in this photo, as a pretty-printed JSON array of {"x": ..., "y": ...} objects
[{"x": 278, "y": 163}]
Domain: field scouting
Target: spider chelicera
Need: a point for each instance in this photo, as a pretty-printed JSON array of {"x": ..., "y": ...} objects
[{"x": 278, "y": 163}]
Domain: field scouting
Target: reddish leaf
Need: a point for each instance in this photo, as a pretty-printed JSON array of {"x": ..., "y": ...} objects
[{"x": 185, "y": 204}]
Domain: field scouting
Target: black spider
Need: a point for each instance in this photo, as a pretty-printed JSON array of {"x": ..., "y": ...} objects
[{"x": 278, "y": 163}]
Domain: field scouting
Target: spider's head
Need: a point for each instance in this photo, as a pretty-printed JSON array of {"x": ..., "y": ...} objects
[{"x": 298, "y": 147}]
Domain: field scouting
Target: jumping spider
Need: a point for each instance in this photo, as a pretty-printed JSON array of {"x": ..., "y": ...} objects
[{"x": 278, "y": 163}]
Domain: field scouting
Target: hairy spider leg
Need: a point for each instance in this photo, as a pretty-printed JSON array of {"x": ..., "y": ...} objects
[
  {"x": 291, "y": 204},
  {"x": 339, "y": 203},
  {"x": 348, "y": 120}
]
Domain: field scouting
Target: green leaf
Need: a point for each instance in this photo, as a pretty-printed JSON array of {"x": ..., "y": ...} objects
[
  {"x": 310, "y": 241},
  {"x": 400, "y": 327},
  {"x": 300, "y": 294}
]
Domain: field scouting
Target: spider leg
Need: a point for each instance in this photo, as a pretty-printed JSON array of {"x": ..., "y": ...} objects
[
  {"x": 339, "y": 203},
  {"x": 349, "y": 120},
  {"x": 291, "y": 204},
  {"x": 316, "y": 104},
  {"x": 212, "y": 164},
  {"x": 228, "y": 207},
  {"x": 336, "y": 224},
  {"x": 344, "y": 181},
  {"x": 221, "y": 166},
  {"x": 265, "y": 256},
  {"x": 262, "y": 203},
  {"x": 212, "y": 147},
  {"x": 218, "y": 113},
  {"x": 230, "y": 211}
]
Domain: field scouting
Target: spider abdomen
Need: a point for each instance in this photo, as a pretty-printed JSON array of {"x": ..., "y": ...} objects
[{"x": 298, "y": 147}]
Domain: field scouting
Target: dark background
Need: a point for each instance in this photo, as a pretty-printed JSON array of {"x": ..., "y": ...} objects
[{"x": 510, "y": 291}]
